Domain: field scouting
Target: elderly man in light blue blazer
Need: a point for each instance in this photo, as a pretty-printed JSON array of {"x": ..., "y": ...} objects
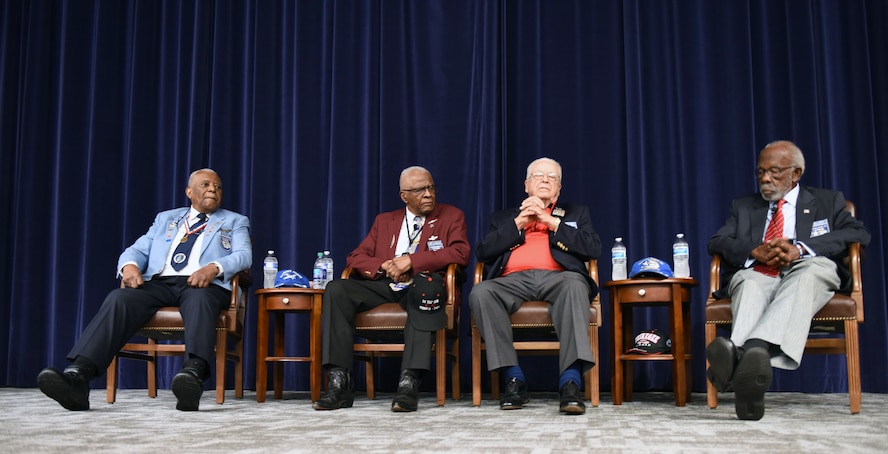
[{"x": 187, "y": 258}]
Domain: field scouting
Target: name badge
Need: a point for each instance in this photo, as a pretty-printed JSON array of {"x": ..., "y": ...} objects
[
  {"x": 820, "y": 227},
  {"x": 435, "y": 245}
]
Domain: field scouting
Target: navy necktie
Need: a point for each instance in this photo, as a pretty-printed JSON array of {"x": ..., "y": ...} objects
[{"x": 180, "y": 256}]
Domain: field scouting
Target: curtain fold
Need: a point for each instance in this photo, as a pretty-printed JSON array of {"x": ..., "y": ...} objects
[{"x": 309, "y": 111}]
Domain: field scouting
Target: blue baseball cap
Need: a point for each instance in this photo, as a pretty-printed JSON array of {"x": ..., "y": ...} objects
[
  {"x": 650, "y": 267},
  {"x": 290, "y": 278}
]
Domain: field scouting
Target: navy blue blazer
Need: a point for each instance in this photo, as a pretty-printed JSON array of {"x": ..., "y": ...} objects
[
  {"x": 574, "y": 244},
  {"x": 835, "y": 228}
]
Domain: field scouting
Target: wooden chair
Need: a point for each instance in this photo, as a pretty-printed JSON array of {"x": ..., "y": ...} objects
[
  {"x": 530, "y": 323},
  {"x": 167, "y": 325},
  {"x": 841, "y": 315},
  {"x": 380, "y": 334}
]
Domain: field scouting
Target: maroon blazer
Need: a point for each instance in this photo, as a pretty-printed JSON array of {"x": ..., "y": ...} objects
[{"x": 446, "y": 223}]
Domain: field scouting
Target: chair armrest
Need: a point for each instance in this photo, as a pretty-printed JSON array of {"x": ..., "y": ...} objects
[
  {"x": 714, "y": 276},
  {"x": 854, "y": 260},
  {"x": 479, "y": 272}
]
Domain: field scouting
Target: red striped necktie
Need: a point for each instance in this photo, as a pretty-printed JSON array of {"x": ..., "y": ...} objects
[{"x": 775, "y": 230}]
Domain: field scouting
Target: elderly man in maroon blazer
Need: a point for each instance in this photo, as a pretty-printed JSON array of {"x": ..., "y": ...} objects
[{"x": 402, "y": 258}]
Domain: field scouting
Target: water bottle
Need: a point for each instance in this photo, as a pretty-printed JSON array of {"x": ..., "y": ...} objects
[
  {"x": 618, "y": 260},
  {"x": 328, "y": 268},
  {"x": 318, "y": 272},
  {"x": 270, "y": 269},
  {"x": 681, "y": 255}
]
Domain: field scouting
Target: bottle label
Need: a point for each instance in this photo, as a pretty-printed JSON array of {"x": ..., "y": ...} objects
[
  {"x": 680, "y": 250},
  {"x": 270, "y": 266},
  {"x": 618, "y": 254}
]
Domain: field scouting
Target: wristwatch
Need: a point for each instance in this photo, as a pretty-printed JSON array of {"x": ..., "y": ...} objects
[{"x": 801, "y": 250}]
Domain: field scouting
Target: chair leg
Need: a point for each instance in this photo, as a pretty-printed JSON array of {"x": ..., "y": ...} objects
[
  {"x": 852, "y": 353},
  {"x": 239, "y": 369},
  {"x": 592, "y": 382},
  {"x": 221, "y": 344},
  {"x": 441, "y": 366},
  {"x": 476, "y": 366},
  {"x": 111, "y": 381},
  {"x": 711, "y": 392},
  {"x": 152, "y": 368},
  {"x": 454, "y": 370},
  {"x": 368, "y": 367}
]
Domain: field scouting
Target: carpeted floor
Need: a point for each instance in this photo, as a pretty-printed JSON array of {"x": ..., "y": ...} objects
[{"x": 32, "y": 423}]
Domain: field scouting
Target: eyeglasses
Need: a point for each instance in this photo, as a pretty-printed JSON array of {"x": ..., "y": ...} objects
[
  {"x": 773, "y": 172},
  {"x": 549, "y": 176},
  {"x": 417, "y": 191}
]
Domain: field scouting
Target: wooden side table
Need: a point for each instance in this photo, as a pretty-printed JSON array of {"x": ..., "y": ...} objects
[
  {"x": 626, "y": 295},
  {"x": 279, "y": 301}
]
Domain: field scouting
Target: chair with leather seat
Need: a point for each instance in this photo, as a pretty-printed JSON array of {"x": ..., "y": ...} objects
[
  {"x": 534, "y": 334},
  {"x": 167, "y": 325},
  {"x": 380, "y": 333},
  {"x": 834, "y": 329}
]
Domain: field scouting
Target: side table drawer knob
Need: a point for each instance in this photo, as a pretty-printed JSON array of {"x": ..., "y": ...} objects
[
  {"x": 641, "y": 292},
  {"x": 286, "y": 300}
]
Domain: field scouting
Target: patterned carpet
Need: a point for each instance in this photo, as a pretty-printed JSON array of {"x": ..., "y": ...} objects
[{"x": 32, "y": 423}]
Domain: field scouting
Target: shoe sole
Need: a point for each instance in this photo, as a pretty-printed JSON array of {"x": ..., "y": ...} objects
[
  {"x": 399, "y": 409},
  {"x": 187, "y": 391},
  {"x": 751, "y": 379},
  {"x": 342, "y": 404},
  {"x": 573, "y": 409},
  {"x": 721, "y": 364},
  {"x": 57, "y": 388}
]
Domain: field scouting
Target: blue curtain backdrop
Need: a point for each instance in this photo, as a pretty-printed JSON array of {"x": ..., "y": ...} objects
[{"x": 310, "y": 109}]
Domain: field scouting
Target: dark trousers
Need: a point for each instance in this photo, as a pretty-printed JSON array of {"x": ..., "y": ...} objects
[
  {"x": 343, "y": 298},
  {"x": 126, "y": 310}
]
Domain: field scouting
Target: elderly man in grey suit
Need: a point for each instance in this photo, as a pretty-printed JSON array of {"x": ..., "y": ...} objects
[
  {"x": 187, "y": 259},
  {"x": 784, "y": 248},
  {"x": 538, "y": 252}
]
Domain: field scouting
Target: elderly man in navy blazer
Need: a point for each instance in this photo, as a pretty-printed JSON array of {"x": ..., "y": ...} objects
[
  {"x": 187, "y": 259},
  {"x": 784, "y": 248}
]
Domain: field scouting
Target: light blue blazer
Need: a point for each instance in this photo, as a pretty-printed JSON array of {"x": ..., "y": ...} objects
[{"x": 226, "y": 241}]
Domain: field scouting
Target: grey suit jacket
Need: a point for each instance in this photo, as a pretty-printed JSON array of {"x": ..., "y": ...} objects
[{"x": 745, "y": 228}]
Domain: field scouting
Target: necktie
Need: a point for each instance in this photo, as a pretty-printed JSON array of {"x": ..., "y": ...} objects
[
  {"x": 775, "y": 230},
  {"x": 413, "y": 236},
  {"x": 180, "y": 256},
  {"x": 417, "y": 223}
]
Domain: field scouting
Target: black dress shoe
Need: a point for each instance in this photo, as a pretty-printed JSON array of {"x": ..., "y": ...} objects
[
  {"x": 70, "y": 387},
  {"x": 188, "y": 387},
  {"x": 571, "y": 402},
  {"x": 515, "y": 396},
  {"x": 723, "y": 357},
  {"x": 751, "y": 379},
  {"x": 340, "y": 391},
  {"x": 407, "y": 398}
]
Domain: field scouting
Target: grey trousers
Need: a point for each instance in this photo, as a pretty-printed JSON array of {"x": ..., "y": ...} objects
[
  {"x": 567, "y": 293},
  {"x": 779, "y": 309}
]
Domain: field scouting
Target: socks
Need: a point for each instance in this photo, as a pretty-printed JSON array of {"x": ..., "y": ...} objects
[
  {"x": 87, "y": 366},
  {"x": 199, "y": 365},
  {"x": 752, "y": 343},
  {"x": 513, "y": 372},
  {"x": 572, "y": 373}
]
